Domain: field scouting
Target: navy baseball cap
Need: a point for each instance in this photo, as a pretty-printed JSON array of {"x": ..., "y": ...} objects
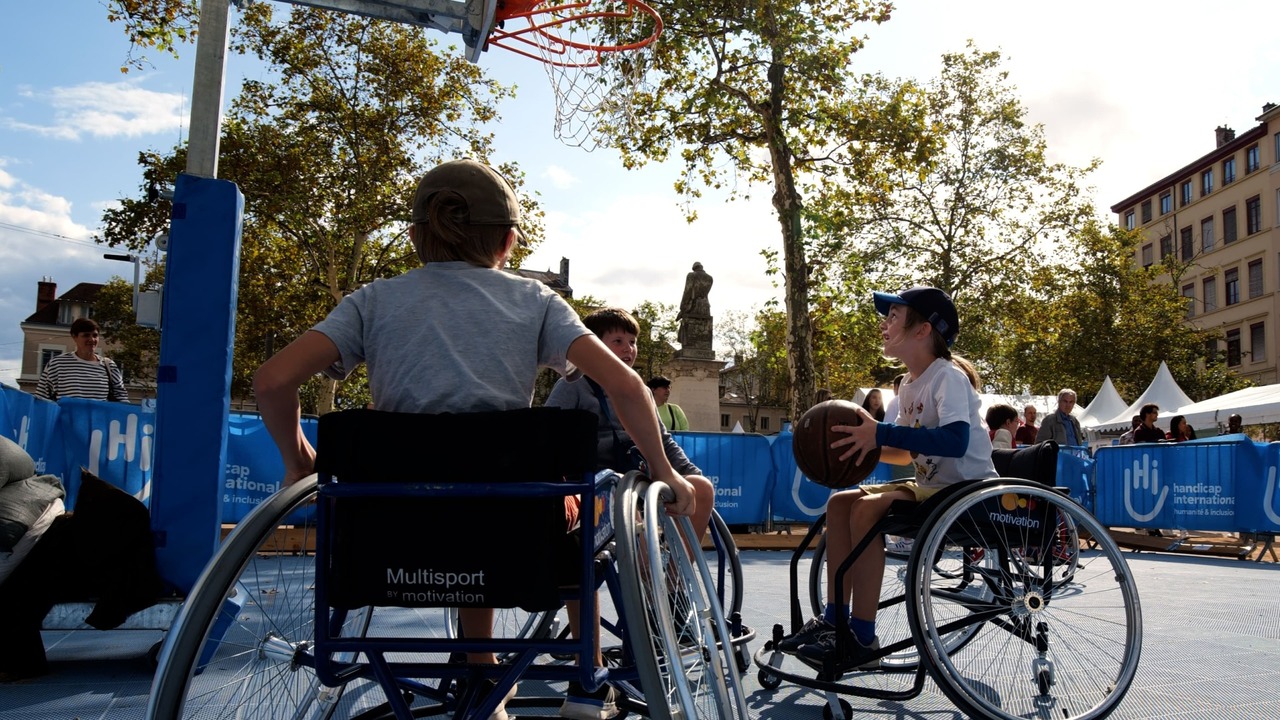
[{"x": 933, "y": 305}]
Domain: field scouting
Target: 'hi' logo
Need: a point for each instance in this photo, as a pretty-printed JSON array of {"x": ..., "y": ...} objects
[
  {"x": 1269, "y": 497},
  {"x": 1145, "y": 476},
  {"x": 795, "y": 495}
]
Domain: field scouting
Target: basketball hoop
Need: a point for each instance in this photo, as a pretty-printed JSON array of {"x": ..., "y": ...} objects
[{"x": 597, "y": 56}]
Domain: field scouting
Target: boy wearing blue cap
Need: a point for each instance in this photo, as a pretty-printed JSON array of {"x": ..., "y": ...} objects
[{"x": 938, "y": 429}]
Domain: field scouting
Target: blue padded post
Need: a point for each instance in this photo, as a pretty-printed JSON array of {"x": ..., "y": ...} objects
[{"x": 194, "y": 376}]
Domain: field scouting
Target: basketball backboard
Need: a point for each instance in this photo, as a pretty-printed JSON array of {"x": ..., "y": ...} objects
[{"x": 472, "y": 19}]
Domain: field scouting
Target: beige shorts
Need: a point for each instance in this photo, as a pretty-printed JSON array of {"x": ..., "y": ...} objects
[{"x": 920, "y": 492}]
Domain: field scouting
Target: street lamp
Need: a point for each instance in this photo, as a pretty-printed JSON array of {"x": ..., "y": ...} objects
[
  {"x": 146, "y": 305},
  {"x": 137, "y": 270}
]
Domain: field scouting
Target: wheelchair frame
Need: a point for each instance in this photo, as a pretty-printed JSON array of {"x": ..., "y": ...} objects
[
  {"x": 966, "y": 572},
  {"x": 327, "y": 661}
]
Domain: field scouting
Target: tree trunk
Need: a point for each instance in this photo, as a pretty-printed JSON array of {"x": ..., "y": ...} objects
[
  {"x": 328, "y": 391},
  {"x": 786, "y": 201}
]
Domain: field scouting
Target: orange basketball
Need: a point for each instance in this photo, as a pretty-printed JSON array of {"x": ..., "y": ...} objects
[{"x": 811, "y": 445}]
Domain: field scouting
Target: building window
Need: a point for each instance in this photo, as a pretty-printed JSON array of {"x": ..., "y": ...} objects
[
  {"x": 1229, "y": 225},
  {"x": 1166, "y": 204},
  {"x": 1277, "y": 139},
  {"x": 1210, "y": 294},
  {"x": 724, "y": 420},
  {"x": 1206, "y": 234},
  {"x": 1231, "y": 284},
  {"x": 1233, "y": 348},
  {"x": 1146, "y": 255},
  {"x": 1211, "y": 351},
  {"x": 1166, "y": 246},
  {"x": 1188, "y": 245},
  {"x": 1206, "y": 182},
  {"x": 1129, "y": 224},
  {"x": 47, "y": 354},
  {"x": 1186, "y": 193},
  {"x": 1228, "y": 171},
  {"x": 1258, "y": 342},
  {"x": 1189, "y": 292},
  {"x": 1253, "y": 215},
  {"x": 1146, "y": 211},
  {"x": 1255, "y": 278},
  {"x": 764, "y": 423},
  {"x": 1252, "y": 159}
]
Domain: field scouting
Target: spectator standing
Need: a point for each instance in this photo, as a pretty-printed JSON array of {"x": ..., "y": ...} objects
[
  {"x": 1062, "y": 427},
  {"x": 1179, "y": 430},
  {"x": 671, "y": 415},
  {"x": 1002, "y": 420},
  {"x": 1235, "y": 424},
  {"x": 821, "y": 395},
  {"x": 82, "y": 372},
  {"x": 1127, "y": 437},
  {"x": 874, "y": 404},
  {"x": 1026, "y": 434},
  {"x": 1147, "y": 431}
]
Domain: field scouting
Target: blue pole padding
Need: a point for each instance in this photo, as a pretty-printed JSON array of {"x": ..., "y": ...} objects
[{"x": 194, "y": 376}]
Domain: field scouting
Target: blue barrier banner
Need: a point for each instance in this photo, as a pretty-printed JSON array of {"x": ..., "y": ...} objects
[
  {"x": 1073, "y": 472},
  {"x": 795, "y": 497},
  {"x": 1259, "y": 507},
  {"x": 1187, "y": 486},
  {"x": 738, "y": 465},
  {"x": 111, "y": 440},
  {"x": 32, "y": 422},
  {"x": 254, "y": 468}
]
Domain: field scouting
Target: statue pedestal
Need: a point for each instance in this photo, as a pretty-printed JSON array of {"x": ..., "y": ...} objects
[{"x": 695, "y": 387}]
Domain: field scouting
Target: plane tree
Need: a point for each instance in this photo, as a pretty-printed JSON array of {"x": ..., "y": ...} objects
[
  {"x": 326, "y": 148},
  {"x": 752, "y": 95}
]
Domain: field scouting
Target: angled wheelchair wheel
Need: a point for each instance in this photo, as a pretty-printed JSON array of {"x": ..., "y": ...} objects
[
  {"x": 1061, "y": 626},
  {"x": 239, "y": 644},
  {"x": 891, "y": 619},
  {"x": 672, "y": 621}
]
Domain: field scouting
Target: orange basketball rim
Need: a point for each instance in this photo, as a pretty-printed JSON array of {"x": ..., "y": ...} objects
[{"x": 573, "y": 34}]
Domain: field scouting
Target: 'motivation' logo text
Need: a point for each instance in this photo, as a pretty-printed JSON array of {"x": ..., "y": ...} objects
[
  {"x": 1011, "y": 519},
  {"x": 425, "y": 585}
]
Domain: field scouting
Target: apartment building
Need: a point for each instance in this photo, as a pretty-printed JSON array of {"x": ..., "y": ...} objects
[{"x": 1219, "y": 217}]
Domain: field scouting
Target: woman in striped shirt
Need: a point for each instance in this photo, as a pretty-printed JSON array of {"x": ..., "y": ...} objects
[{"x": 82, "y": 372}]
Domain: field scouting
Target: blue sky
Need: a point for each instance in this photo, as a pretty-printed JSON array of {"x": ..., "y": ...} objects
[{"x": 1105, "y": 79}]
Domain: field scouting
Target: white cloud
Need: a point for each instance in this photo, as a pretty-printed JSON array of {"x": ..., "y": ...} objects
[
  {"x": 560, "y": 177},
  {"x": 104, "y": 110}
]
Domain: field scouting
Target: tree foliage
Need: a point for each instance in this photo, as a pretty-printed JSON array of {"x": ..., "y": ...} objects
[
  {"x": 756, "y": 348},
  {"x": 154, "y": 24},
  {"x": 133, "y": 348},
  {"x": 327, "y": 152},
  {"x": 979, "y": 221},
  {"x": 766, "y": 93},
  {"x": 1106, "y": 316}
]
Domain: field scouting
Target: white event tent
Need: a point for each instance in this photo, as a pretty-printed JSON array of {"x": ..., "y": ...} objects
[
  {"x": 1255, "y": 405},
  {"x": 1163, "y": 391},
  {"x": 1106, "y": 405}
]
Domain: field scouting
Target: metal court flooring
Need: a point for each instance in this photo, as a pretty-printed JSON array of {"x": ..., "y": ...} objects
[{"x": 1211, "y": 651}]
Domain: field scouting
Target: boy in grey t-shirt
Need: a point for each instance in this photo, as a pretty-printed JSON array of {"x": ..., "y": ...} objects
[{"x": 460, "y": 335}]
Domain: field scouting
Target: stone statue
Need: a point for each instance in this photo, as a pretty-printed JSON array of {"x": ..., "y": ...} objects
[{"x": 694, "y": 334}]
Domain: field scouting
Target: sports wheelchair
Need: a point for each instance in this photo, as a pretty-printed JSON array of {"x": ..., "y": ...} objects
[
  {"x": 414, "y": 516},
  {"x": 1065, "y": 625}
]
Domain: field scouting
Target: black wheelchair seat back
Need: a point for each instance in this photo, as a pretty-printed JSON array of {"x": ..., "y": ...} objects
[
  {"x": 1037, "y": 462},
  {"x": 411, "y": 541}
]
